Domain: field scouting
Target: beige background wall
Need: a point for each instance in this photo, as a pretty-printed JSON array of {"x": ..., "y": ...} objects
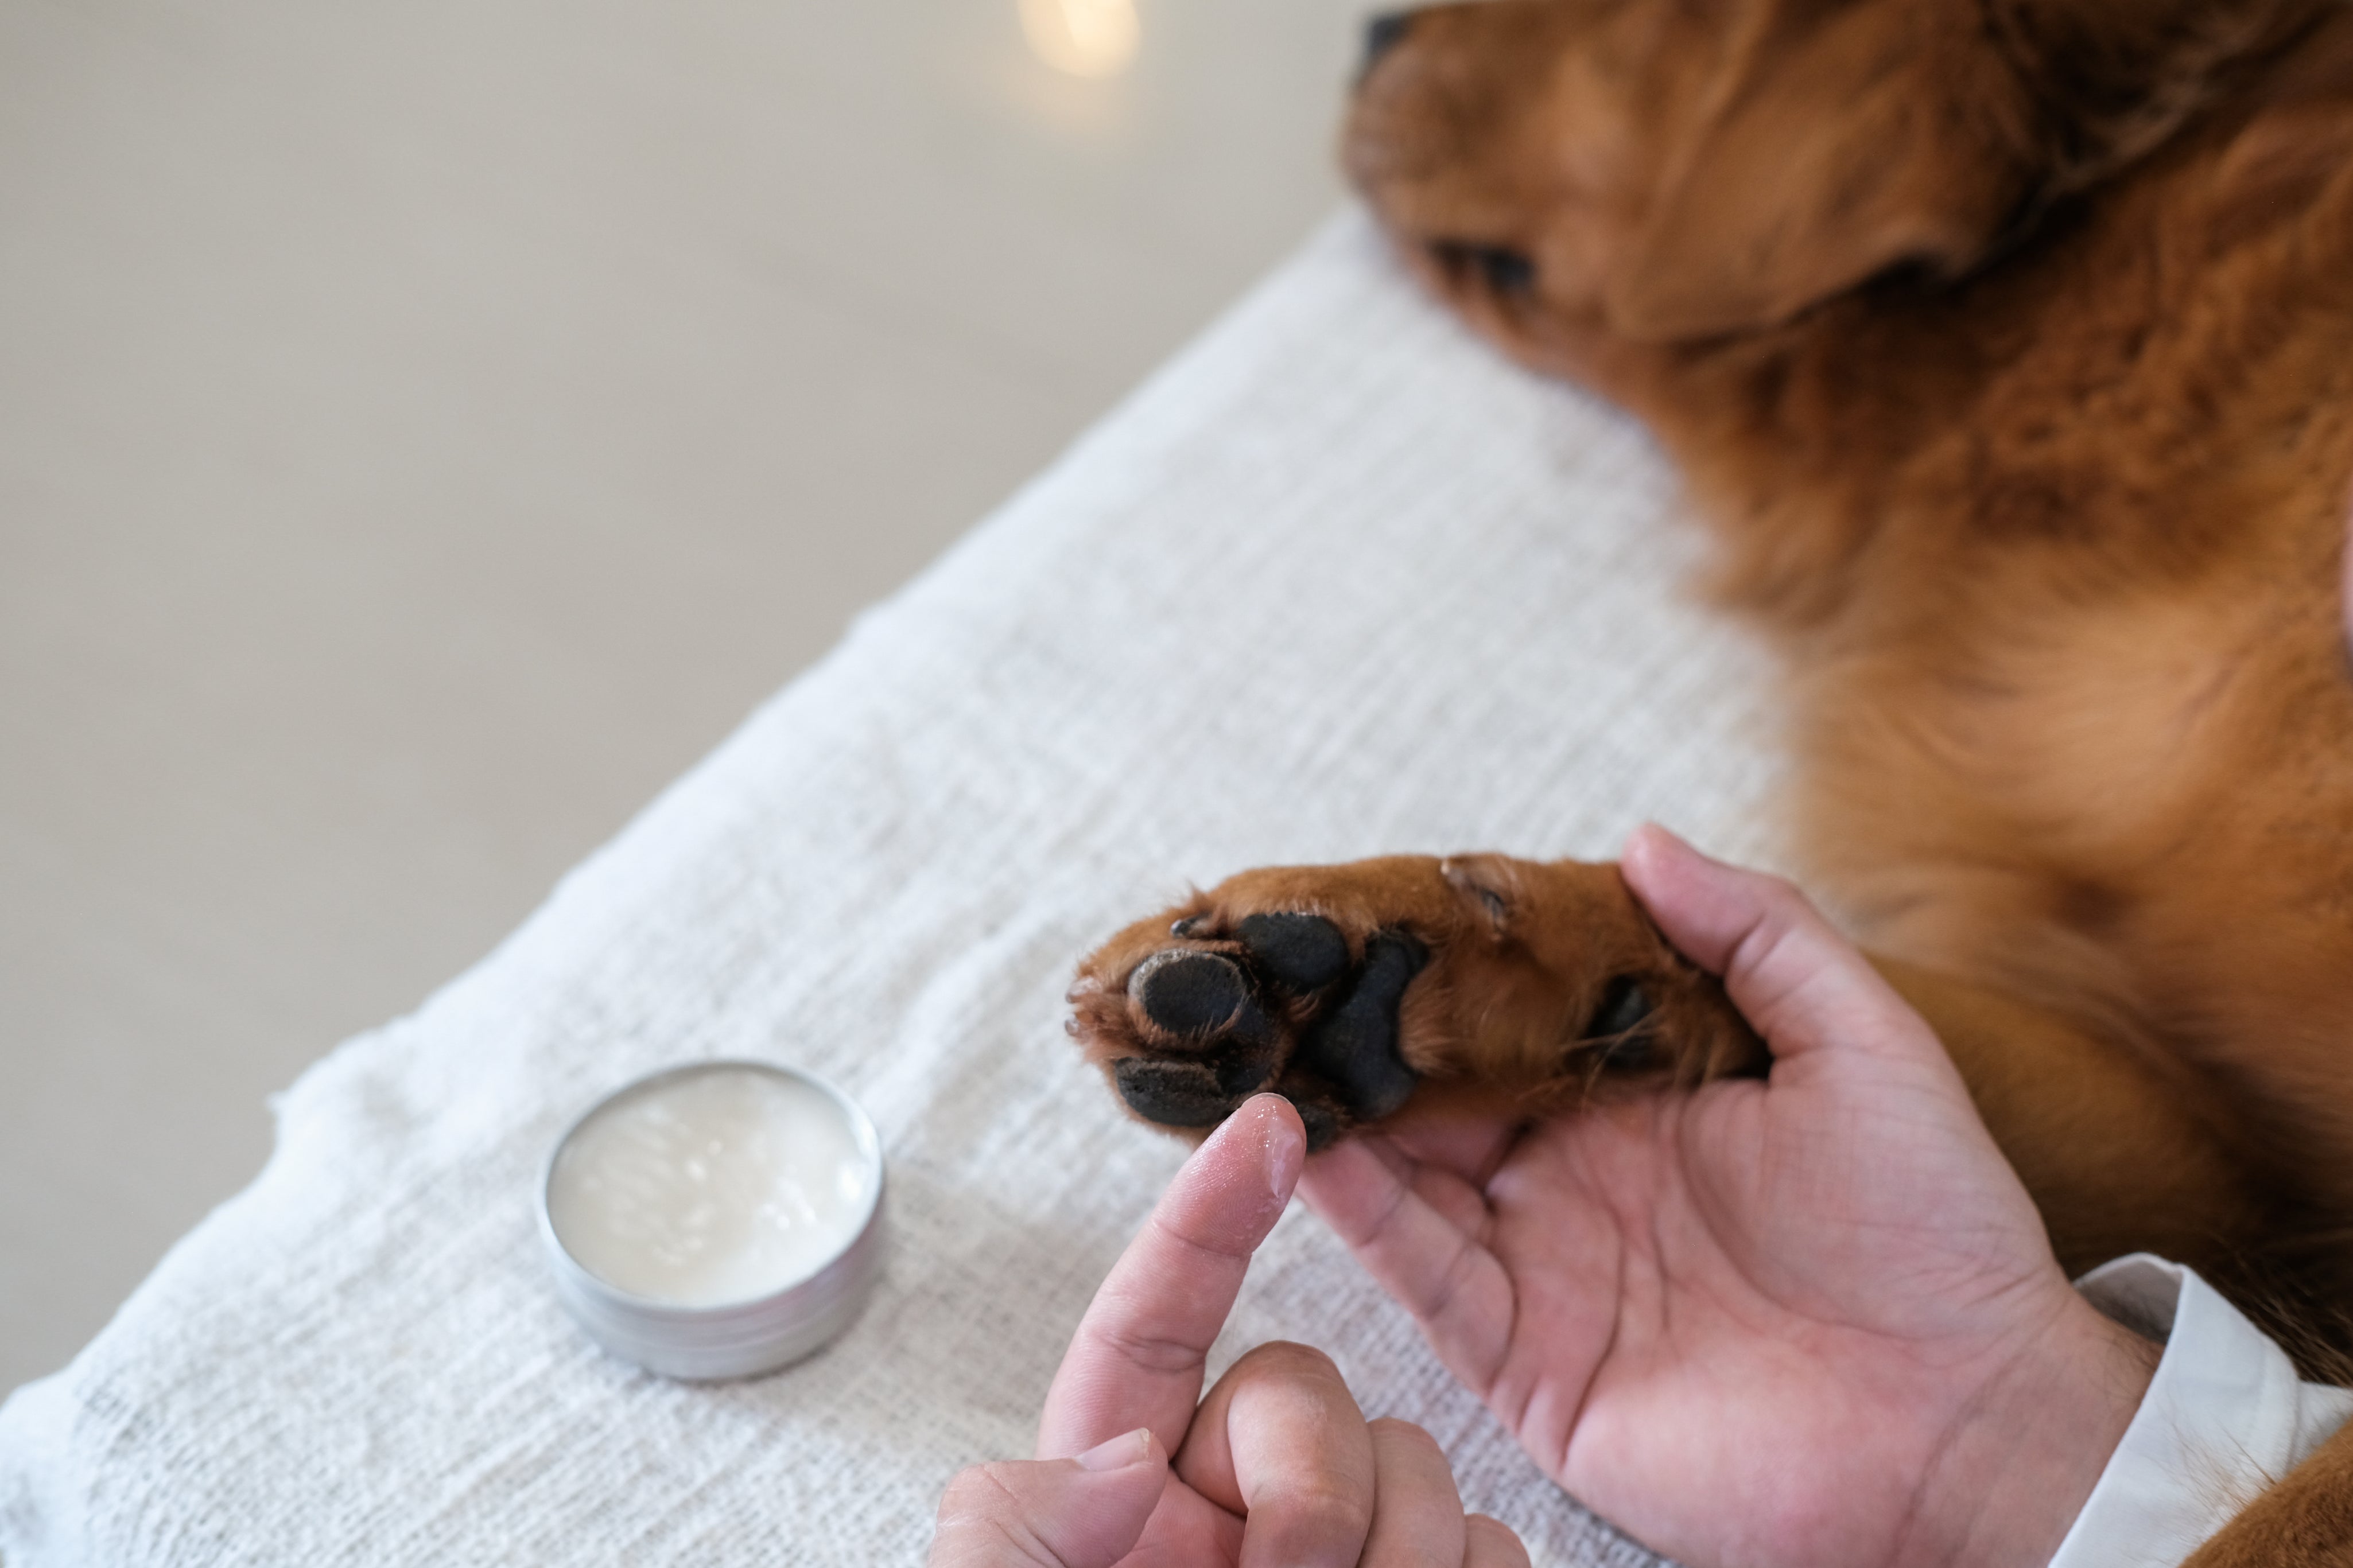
[{"x": 425, "y": 427}]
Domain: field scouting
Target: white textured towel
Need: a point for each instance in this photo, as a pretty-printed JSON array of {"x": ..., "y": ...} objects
[{"x": 1337, "y": 581}]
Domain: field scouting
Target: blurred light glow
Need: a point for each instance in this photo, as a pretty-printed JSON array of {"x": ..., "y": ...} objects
[{"x": 1084, "y": 37}]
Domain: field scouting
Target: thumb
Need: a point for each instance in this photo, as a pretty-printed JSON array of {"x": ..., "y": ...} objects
[
  {"x": 1801, "y": 984},
  {"x": 1087, "y": 1512}
]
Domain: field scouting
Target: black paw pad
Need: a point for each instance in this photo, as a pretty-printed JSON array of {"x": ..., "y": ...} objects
[
  {"x": 1190, "y": 993},
  {"x": 1623, "y": 1007},
  {"x": 1174, "y": 1094},
  {"x": 1245, "y": 1071},
  {"x": 1321, "y": 1126},
  {"x": 1298, "y": 952},
  {"x": 1615, "y": 1031},
  {"x": 1355, "y": 1044}
]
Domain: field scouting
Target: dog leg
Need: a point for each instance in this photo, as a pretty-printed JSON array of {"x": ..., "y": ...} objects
[
  {"x": 1345, "y": 987},
  {"x": 1533, "y": 985}
]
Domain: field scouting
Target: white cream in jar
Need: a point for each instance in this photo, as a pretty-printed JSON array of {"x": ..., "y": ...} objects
[
  {"x": 719, "y": 1219},
  {"x": 712, "y": 1186}
]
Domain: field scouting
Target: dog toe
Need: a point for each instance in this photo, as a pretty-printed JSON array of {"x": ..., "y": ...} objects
[
  {"x": 1174, "y": 1094},
  {"x": 1322, "y": 1127},
  {"x": 1298, "y": 952},
  {"x": 1190, "y": 993},
  {"x": 1355, "y": 1045}
]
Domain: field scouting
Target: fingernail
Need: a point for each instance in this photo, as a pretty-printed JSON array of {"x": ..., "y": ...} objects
[
  {"x": 1127, "y": 1448},
  {"x": 1286, "y": 1151}
]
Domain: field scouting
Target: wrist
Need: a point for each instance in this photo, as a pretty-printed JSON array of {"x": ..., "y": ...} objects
[{"x": 2024, "y": 1454}]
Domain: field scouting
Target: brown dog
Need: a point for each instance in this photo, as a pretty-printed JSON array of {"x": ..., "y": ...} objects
[{"x": 2009, "y": 346}]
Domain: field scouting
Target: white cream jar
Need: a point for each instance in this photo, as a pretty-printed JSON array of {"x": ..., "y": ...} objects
[{"x": 715, "y": 1220}]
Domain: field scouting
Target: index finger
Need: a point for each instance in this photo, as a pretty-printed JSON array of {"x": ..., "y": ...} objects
[{"x": 1138, "y": 1357}]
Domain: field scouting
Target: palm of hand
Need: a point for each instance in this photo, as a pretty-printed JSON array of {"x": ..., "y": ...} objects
[
  {"x": 1783, "y": 1300},
  {"x": 1799, "y": 1315}
]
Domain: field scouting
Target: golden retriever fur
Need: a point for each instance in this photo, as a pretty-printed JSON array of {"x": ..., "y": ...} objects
[{"x": 2008, "y": 347}]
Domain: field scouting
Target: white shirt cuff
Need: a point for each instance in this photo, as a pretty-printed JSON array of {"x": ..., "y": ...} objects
[{"x": 2223, "y": 1418}]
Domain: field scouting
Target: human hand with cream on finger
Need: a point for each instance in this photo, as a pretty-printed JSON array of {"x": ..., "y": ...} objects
[{"x": 1276, "y": 1465}]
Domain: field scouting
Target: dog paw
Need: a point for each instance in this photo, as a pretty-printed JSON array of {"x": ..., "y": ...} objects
[
  {"x": 1345, "y": 987},
  {"x": 1279, "y": 999}
]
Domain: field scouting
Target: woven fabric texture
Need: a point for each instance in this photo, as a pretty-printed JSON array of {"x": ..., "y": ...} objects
[{"x": 1336, "y": 582}]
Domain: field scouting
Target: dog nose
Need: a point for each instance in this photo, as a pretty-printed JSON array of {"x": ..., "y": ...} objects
[{"x": 1383, "y": 33}]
